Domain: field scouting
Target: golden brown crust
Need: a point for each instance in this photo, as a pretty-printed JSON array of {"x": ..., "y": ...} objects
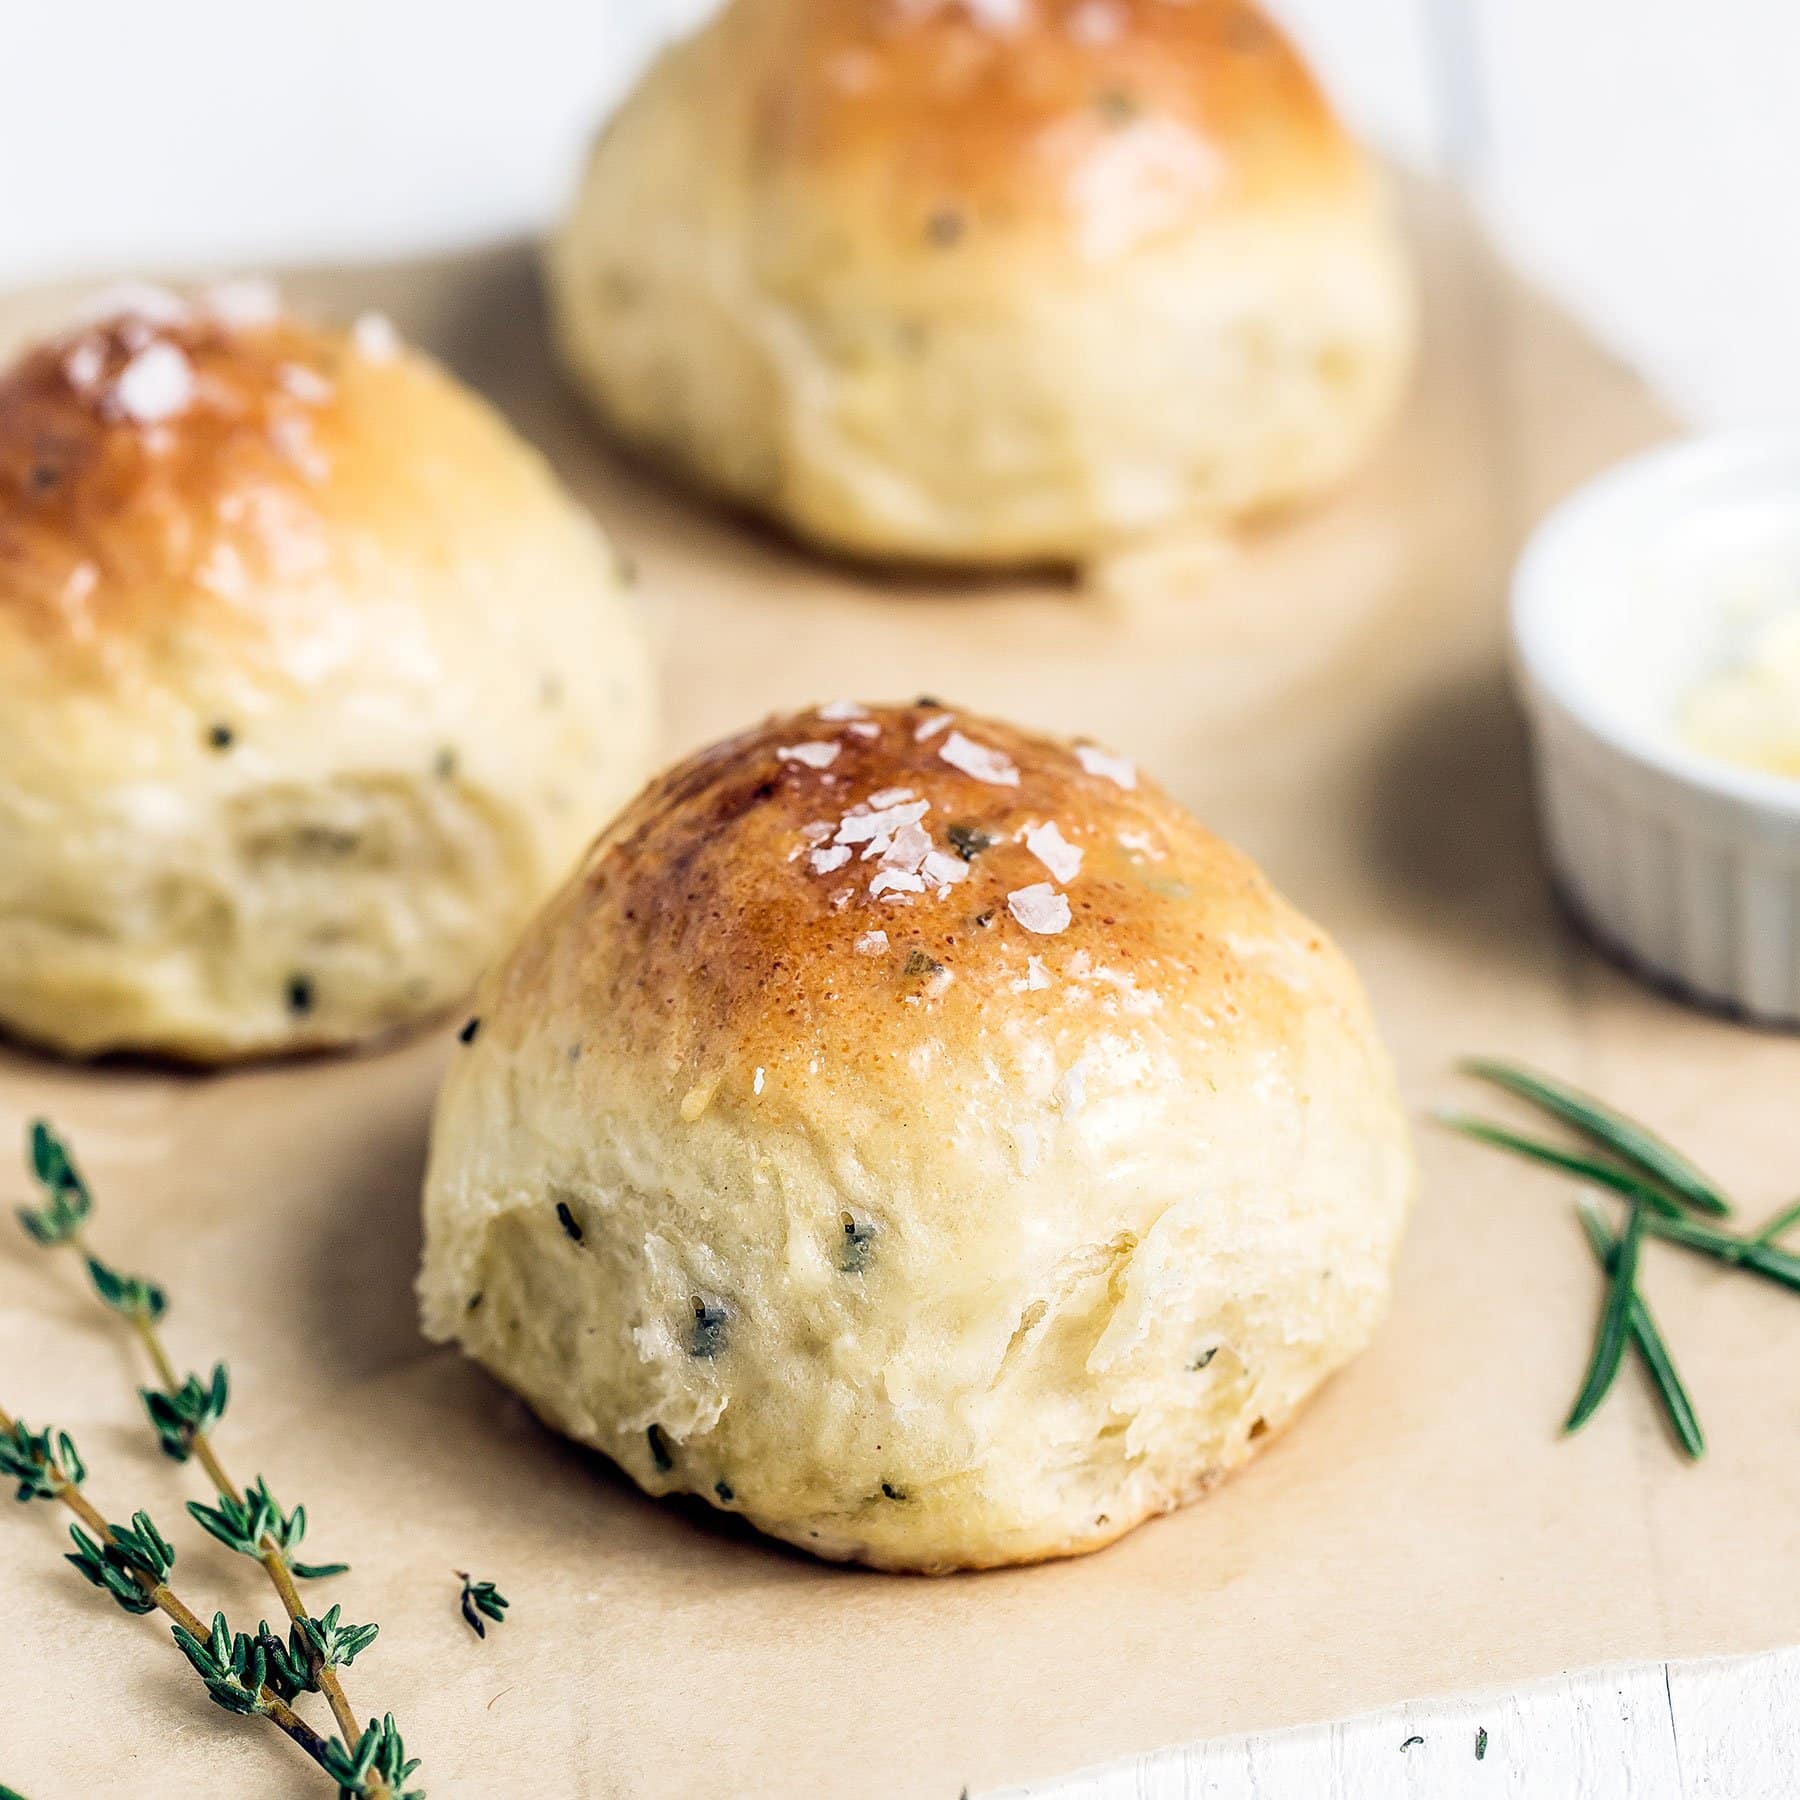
[
  {"x": 291, "y": 451},
  {"x": 710, "y": 891},
  {"x": 142, "y": 502},
  {"x": 968, "y": 114}
]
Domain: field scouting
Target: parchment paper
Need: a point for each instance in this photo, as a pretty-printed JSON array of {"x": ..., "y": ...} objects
[{"x": 1335, "y": 701}]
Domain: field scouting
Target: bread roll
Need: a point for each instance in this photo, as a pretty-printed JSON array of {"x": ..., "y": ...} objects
[
  {"x": 919, "y": 1137},
  {"x": 986, "y": 281},
  {"x": 313, "y": 682}
]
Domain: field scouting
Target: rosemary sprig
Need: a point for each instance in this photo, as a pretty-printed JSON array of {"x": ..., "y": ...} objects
[
  {"x": 1760, "y": 1254},
  {"x": 480, "y": 1597},
  {"x": 1615, "y": 1323},
  {"x": 1599, "y": 1124},
  {"x": 1588, "y": 1168},
  {"x": 182, "y": 1413},
  {"x": 1660, "y": 1186},
  {"x": 1648, "y": 1339}
]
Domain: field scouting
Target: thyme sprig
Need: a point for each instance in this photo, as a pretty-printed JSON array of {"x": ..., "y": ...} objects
[
  {"x": 479, "y": 1597},
  {"x": 254, "y": 1525},
  {"x": 1663, "y": 1190},
  {"x": 133, "y": 1564},
  {"x": 245, "y": 1674}
]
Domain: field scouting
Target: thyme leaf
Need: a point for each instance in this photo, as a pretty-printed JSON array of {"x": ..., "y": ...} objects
[{"x": 481, "y": 1599}]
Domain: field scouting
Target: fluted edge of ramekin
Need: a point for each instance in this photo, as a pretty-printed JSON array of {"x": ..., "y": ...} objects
[
  {"x": 1708, "y": 905},
  {"x": 1684, "y": 866}
]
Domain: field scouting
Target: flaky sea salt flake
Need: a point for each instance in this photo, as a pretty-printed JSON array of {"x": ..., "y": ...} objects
[
  {"x": 306, "y": 385},
  {"x": 910, "y": 847},
  {"x": 941, "y": 870},
  {"x": 998, "y": 15},
  {"x": 157, "y": 384},
  {"x": 978, "y": 760},
  {"x": 1039, "y": 908},
  {"x": 872, "y": 943},
  {"x": 894, "y": 881},
  {"x": 293, "y": 438},
  {"x": 1047, "y": 843},
  {"x": 84, "y": 364},
  {"x": 1095, "y": 22},
  {"x": 1119, "y": 769},
  {"x": 820, "y": 753},
  {"x": 858, "y": 827},
  {"x": 375, "y": 338}
]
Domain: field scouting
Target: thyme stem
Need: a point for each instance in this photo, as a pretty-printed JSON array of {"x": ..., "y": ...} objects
[
  {"x": 243, "y": 1674},
  {"x": 270, "y": 1554},
  {"x": 166, "y": 1601}
]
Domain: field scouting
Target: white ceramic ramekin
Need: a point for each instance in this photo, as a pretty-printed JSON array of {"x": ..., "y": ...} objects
[{"x": 1630, "y": 593}]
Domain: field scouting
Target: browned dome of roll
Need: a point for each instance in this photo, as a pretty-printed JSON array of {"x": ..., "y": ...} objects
[
  {"x": 981, "y": 114},
  {"x": 169, "y": 464}
]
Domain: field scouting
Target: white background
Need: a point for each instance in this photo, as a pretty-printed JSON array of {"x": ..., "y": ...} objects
[{"x": 1640, "y": 156}]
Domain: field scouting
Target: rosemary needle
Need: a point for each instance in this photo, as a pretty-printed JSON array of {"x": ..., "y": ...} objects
[
  {"x": 1615, "y": 1323},
  {"x": 1587, "y": 1168},
  {"x": 1789, "y": 1215},
  {"x": 1664, "y": 1219},
  {"x": 1768, "y": 1260},
  {"x": 1649, "y": 1340},
  {"x": 1612, "y": 1131}
]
